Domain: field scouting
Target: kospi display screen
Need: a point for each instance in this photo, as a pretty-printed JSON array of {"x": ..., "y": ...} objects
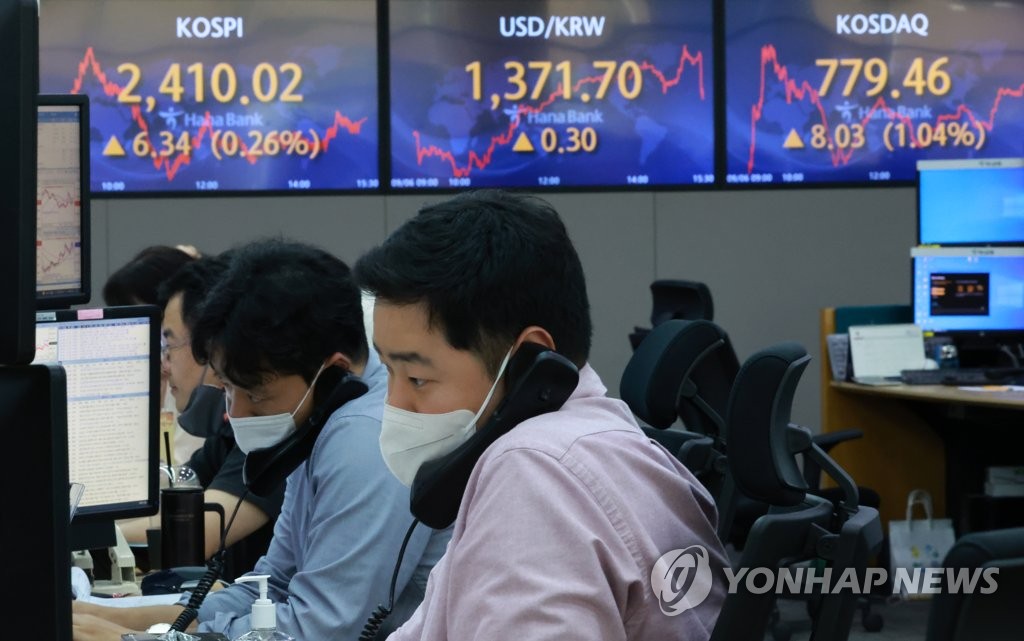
[
  {"x": 232, "y": 95},
  {"x": 846, "y": 91},
  {"x": 559, "y": 93}
]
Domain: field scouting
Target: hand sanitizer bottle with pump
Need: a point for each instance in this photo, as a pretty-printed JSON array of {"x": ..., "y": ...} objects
[{"x": 264, "y": 617}]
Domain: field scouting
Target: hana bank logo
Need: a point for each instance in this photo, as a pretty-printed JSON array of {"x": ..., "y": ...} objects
[{"x": 681, "y": 579}]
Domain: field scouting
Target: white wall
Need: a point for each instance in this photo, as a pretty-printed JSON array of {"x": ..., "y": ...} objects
[{"x": 771, "y": 258}]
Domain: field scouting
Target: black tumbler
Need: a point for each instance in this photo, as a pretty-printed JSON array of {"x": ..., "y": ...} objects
[{"x": 182, "y": 526}]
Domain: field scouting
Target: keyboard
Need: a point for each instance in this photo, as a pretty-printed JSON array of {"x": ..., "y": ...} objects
[{"x": 963, "y": 376}]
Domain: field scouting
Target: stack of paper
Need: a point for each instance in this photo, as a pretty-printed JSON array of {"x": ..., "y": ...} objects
[{"x": 1004, "y": 481}]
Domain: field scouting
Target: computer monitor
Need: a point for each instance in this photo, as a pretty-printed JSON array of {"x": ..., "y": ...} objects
[
  {"x": 19, "y": 50},
  {"x": 970, "y": 292},
  {"x": 977, "y": 201},
  {"x": 111, "y": 357},
  {"x": 62, "y": 202},
  {"x": 34, "y": 525}
]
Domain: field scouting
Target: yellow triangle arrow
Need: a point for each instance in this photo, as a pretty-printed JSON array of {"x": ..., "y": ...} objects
[
  {"x": 523, "y": 144},
  {"x": 113, "y": 147},
  {"x": 793, "y": 141}
]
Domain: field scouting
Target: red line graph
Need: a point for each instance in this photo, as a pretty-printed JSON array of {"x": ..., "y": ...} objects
[
  {"x": 802, "y": 90},
  {"x": 59, "y": 199},
  {"x": 172, "y": 163},
  {"x": 480, "y": 161},
  {"x": 46, "y": 263}
]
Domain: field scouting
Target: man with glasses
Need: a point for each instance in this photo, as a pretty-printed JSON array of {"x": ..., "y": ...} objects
[
  {"x": 199, "y": 399},
  {"x": 282, "y": 329}
]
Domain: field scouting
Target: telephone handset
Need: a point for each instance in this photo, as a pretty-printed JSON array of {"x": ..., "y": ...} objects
[
  {"x": 266, "y": 469},
  {"x": 538, "y": 381}
]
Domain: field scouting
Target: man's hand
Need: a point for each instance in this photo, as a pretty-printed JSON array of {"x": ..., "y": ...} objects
[{"x": 88, "y": 627}]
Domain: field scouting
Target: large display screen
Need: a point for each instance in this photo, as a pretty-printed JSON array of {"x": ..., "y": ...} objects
[
  {"x": 859, "y": 90},
  {"x": 559, "y": 93},
  {"x": 970, "y": 202},
  {"x": 232, "y": 95},
  {"x": 969, "y": 289}
]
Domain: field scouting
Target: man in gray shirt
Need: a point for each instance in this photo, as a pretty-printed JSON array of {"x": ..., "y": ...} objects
[{"x": 280, "y": 330}]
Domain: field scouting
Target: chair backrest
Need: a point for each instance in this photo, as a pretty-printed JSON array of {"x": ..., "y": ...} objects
[
  {"x": 757, "y": 427},
  {"x": 959, "y": 616},
  {"x": 681, "y": 370},
  {"x": 681, "y": 299},
  {"x": 676, "y": 300}
]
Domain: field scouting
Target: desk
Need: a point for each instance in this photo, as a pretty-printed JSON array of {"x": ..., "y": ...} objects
[{"x": 932, "y": 437}]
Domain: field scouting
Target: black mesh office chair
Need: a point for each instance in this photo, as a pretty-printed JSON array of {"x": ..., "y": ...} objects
[
  {"x": 994, "y": 616},
  {"x": 763, "y": 446},
  {"x": 684, "y": 370},
  {"x": 699, "y": 396}
]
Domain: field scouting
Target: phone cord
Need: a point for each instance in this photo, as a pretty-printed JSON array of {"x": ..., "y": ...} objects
[
  {"x": 376, "y": 620},
  {"x": 214, "y": 568}
]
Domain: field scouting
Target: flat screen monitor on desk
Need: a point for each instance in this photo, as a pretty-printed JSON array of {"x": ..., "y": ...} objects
[
  {"x": 973, "y": 293},
  {"x": 970, "y": 202},
  {"x": 62, "y": 202},
  {"x": 111, "y": 357}
]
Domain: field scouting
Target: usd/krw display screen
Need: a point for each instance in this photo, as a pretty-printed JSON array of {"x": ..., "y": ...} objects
[
  {"x": 562, "y": 93},
  {"x": 860, "y": 90},
  {"x": 233, "y": 95}
]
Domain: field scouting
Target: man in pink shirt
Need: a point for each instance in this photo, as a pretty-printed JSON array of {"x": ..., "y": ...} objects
[{"x": 573, "y": 525}]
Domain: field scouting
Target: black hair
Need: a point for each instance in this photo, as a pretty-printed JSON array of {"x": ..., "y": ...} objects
[
  {"x": 193, "y": 282},
  {"x": 137, "y": 281},
  {"x": 280, "y": 308},
  {"x": 487, "y": 264}
]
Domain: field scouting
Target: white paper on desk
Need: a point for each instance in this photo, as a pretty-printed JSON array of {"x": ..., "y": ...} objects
[
  {"x": 133, "y": 601},
  {"x": 886, "y": 350}
]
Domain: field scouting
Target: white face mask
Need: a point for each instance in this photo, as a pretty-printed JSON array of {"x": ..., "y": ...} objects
[
  {"x": 409, "y": 439},
  {"x": 260, "y": 432}
]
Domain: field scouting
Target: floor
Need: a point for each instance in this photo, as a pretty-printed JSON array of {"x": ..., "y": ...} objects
[{"x": 902, "y": 621}]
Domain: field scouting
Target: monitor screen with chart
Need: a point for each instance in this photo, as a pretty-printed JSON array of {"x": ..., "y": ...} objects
[
  {"x": 197, "y": 96},
  {"x": 62, "y": 201},
  {"x": 111, "y": 358},
  {"x": 556, "y": 94},
  {"x": 969, "y": 291},
  {"x": 857, "y": 91}
]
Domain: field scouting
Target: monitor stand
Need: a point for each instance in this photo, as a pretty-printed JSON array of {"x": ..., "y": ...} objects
[{"x": 122, "y": 570}]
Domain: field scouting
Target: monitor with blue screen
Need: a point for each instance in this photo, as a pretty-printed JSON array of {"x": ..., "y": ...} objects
[
  {"x": 111, "y": 357},
  {"x": 970, "y": 202},
  {"x": 969, "y": 290}
]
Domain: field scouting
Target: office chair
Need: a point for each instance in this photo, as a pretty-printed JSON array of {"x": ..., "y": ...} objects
[
  {"x": 763, "y": 445},
  {"x": 701, "y": 403},
  {"x": 676, "y": 299},
  {"x": 684, "y": 370},
  {"x": 995, "y": 616}
]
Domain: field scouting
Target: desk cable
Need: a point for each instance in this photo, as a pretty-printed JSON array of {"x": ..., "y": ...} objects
[{"x": 214, "y": 568}]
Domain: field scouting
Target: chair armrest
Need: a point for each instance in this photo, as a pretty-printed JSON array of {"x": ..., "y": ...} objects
[
  {"x": 831, "y": 439},
  {"x": 812, "y": 471}
]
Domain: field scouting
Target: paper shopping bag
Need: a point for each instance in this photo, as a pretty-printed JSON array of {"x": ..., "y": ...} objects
[{"x": 917, "y": 544}]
